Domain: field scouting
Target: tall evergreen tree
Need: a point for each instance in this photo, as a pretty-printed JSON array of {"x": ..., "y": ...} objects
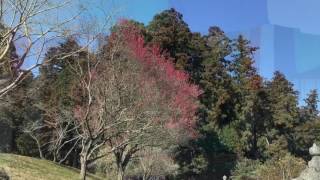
[
  {"x": 197, "y": 50},
  {"x": 207, "y": 157},
  {"x": 252, "y": 101},
  {"x": 311, "y": 108},
  {"x": 216, "y": 81},
  {"x": 285, "y": 102},
  {"x": 284, "y": 112},
  {"x": 169, "y": 30},
  {"x": 307, "y": 131}
]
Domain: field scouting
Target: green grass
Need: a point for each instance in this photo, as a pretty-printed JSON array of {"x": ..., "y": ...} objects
[{"x": 27, "y": 168}]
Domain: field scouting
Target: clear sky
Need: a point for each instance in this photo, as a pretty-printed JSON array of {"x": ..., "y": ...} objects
[{"x": 230, "y": 15}]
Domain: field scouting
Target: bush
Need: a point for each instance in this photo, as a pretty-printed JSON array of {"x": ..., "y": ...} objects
[
  {"x": 284, "y": 168},
  {"x": 246, "y": 169},
  {"x": 230, "y": 139},
  {"x": 26, "y": 145},
  {"x": 152, "y": 163},
  {"x": 3, "y": 175}
]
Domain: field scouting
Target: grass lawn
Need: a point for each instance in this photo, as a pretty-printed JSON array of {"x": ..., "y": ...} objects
[{"x": 27, "y": 168}]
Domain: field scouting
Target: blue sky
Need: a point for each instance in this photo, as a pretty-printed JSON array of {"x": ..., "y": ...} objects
[
  {"x": 230, "y": 15},
  {"x": 301, "y": 14}
]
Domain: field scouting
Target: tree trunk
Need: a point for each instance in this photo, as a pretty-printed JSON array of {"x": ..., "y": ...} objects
[
  {"x": 40, "y": 154},
  {"x": 83, "y": 167},
  {"x": 145, "y": 176},
  {"x": 120, "y": 174},
  {"x": 54, "y": 157},
  {"x": 39, "y": 146},
  {"x": 123, "y": 160}
]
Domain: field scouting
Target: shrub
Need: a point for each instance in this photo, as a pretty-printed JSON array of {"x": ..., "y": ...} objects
[
  {"x": 284, "y": 168},
  {"x": 26, "y": 146},
  {"x": 152, "y": 163},
  {"x": 245, "y": 169},
  {"x": 229, "y": 137}
]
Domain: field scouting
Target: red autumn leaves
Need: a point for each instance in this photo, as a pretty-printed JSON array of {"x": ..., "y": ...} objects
[{"x": 181, "y": 94}]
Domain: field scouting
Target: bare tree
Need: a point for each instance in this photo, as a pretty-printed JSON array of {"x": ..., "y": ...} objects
[
  {"x": 53, "y": 136},
  {"x": 61, "y": 131},
  {"x": 31, "y": 26},
  {"x": 155, "y": 163},
  {"x": 32, "y": 129}
]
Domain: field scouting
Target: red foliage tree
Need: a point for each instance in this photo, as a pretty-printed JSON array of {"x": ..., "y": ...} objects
[
  {"x": 180, "y": 94},
  {"x": 133, "y": 97}
]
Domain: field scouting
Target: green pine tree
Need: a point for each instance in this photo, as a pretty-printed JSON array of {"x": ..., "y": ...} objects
[
  {"x": 169, "y": 30},
  {"x": 284, "y": 115}
]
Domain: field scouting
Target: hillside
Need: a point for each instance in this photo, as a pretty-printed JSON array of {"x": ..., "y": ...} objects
[{"x": 27, "y": 168}]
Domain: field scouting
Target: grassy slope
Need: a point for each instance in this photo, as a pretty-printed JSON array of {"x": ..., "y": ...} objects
[{"x": 27, "y": 168}]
